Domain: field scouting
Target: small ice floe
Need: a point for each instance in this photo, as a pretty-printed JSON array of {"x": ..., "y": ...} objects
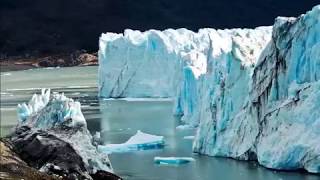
[
  {"x": 5, "y": 74},
  {"x": 78, "y": 87},
  {"x": 140, "y": 141},
  {"x": 50, "y": 68},
  {"x": 184, "y": 127},
  {"x": 6, "y": 94},
  {"x": 145, "y": 99},
  {"x": 188, "y": 137},
  {"x": 172, "y": 160},
  {"x": 97, "y": 138},
  {"x": 139, "y": 99},
  {"x": 97, "y": 135}
]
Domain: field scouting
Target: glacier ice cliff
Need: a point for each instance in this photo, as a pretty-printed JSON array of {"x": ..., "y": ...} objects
[
  {"x": 276, "y": 121},
  {"x": 254, "y": 94},
  {"x": 170, "y": 63}
]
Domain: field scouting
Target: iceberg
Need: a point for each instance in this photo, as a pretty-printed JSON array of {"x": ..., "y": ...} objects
[
  {"x": 253, "y": 94},
  {"x": 54, "y": 119},
  {"x": 40, "y": 113},
  {"x": 172, "y": 160},
  {"x": 140, "y": 141},
  {"x": 36, "y": 103}
]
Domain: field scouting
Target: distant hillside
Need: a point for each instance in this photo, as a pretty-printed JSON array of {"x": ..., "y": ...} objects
[{"x": 52, "y": 26}]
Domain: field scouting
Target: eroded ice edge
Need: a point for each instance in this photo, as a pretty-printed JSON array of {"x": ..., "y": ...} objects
[
  {"x": 48, "y": 111},
  {"x": 254, "y": 94},
  {"x": 139, "y": 141}
]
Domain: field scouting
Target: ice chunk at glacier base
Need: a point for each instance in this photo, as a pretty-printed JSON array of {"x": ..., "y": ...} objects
[
  {"x": 172, "y": 160},
  {"x": 140, "y": 141}
]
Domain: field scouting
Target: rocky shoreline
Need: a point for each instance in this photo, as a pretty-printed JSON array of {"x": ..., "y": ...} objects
[
  {"x": 13, "y": 167},
  {"x": 76, "y": 58}
]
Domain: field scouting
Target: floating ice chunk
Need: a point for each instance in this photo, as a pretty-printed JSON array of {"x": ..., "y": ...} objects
[
  {"x": 188, "y": 137},
  {"x": 172, "y": 160},
  {"x": 140, "y": 99},
  {"x": 140, "y": 141},
  {"x": 185, "y": 127},
  {"x": 5, "y": 74}
]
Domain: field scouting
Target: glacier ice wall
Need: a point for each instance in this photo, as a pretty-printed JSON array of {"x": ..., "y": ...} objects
[
  {"x": 277, "y": 122},
  {"x": 253, "y": 93},
  {"x": 170, "y": 63}
]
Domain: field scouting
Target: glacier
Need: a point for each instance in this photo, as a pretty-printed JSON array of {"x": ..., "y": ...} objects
[
  {"x": 253, "y": 94},
  {"x": 169, "y": 64}
]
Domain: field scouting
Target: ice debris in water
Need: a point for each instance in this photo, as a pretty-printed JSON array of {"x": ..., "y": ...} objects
[
  {"x": 188, "y": 137},
  {"x": 172, "y": 160},
  {"x": 41, "y": 113},
  {"x": 140, "y": 141},
  {"x": 185, "y": 127}
]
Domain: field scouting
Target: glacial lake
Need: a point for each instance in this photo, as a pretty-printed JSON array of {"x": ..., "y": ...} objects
[{"x": 118, "y": 120}]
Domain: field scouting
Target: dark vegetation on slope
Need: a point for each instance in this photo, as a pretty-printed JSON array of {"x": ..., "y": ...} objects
[{"x": 38, "y": 27}]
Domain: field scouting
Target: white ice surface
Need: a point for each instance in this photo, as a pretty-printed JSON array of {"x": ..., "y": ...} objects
[
  {"x": 172, "y": 160},
  {"x": 140, "y": 141}
]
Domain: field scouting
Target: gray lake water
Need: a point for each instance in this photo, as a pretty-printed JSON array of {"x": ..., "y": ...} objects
[{"x": 117, "y": 120}]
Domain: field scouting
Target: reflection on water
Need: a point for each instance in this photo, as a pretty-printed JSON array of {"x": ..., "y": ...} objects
[{"x": 118, "y": 120}]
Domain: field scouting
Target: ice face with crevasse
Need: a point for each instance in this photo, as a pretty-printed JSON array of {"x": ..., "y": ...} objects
[{"x": 253, "y": 93}]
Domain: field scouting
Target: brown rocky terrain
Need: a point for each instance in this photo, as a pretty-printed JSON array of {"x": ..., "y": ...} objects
[
  {"x": 77, "y": 58},
  {"x": 12, "y": 167}
]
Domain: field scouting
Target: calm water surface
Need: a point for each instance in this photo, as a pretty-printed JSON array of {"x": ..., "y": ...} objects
[{"x": 117, "y": 120}]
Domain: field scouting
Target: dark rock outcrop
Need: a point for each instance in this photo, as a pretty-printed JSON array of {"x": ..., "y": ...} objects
[
  {"x": 48, "y": 153},
  {"x": 45, "y": 151},
  {"x": 13, "y": 167}
]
